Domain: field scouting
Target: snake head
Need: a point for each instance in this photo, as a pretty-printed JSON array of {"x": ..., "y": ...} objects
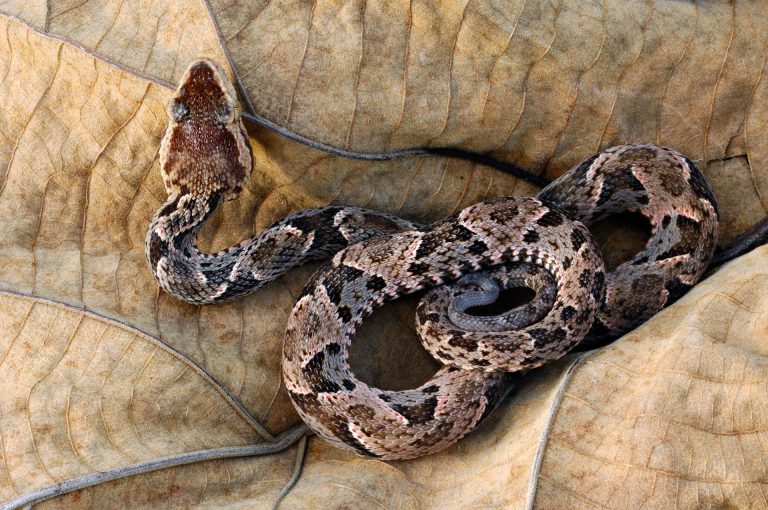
[{"x": 205, "y": 149}]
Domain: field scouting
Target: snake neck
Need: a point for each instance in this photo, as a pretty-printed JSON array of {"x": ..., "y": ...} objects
[
  {"x": 177, "y": 263},
  {"x": 185, "y": 272}
]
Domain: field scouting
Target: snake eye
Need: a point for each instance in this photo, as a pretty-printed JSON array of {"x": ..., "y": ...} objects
[
  {"x": 178, "y": 110},
  {"x": 223, "y": 112}
]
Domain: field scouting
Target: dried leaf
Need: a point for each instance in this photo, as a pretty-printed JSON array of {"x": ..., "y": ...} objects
[
  {"x": 672, "y": 414},
  {"x": 86, "y": 395}
]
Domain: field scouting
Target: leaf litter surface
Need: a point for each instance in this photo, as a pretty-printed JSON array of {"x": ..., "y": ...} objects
[{"x": 103, "y": 371}]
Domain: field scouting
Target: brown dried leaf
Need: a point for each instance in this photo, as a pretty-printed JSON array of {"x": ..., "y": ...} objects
[
  {"x": 540, "y": 84},
  {"x": 673, "y": 414},
  {"x": 79, "y": 182},
  {"x": 84, "y": 394},
  {"x": 156, "y": 39}
]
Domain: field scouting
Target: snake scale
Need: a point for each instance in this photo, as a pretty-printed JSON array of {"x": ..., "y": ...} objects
[{"x": 466, "y": 259}]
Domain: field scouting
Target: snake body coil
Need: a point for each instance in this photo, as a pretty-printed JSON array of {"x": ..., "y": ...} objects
[{"x": 541, "y": 243}]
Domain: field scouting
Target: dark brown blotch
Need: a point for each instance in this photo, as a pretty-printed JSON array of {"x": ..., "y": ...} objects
[
  {"x": 426, "y": 316},
  {"x": 418, "y": 413},
  {"x": 621, "y": 180},
  {"x": 478, "y": 247},
  {"x": 327, "y": 237},
  {"x": 598, "y": 286},
  {"x": 335, "y": 281},
  {"x": 156, "y": 250},
  {"x": 314, "y": 372},
  {"x": 543, "y": 337},
  {"x": 676, "y": 289},
  {"x": 567, "y": 313},
  {"x": 672, "y": 181},
  {"x": 505, "y": 213},
  {"x": 586, "y": 277},
  {"x": 578, "y": 238},
  {"x": 344, "y": 313},
  {"x": 303, "y": 402},
  {"x": 464, "y": 342},
  {"x": 531, "y": 236},
  {"x": 443, "y": 234},
  {"x": 375, "y": 283},
  {"x": 418, "y": 269},
  {"x": 551, "y": 219},
  {"x": 688, "y": 238}
]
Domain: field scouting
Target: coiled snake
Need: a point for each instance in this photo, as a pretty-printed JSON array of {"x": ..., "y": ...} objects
[{"x": 541, "y": 243}]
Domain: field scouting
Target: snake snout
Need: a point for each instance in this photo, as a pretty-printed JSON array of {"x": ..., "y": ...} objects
[{"x": 205, "y": 93}]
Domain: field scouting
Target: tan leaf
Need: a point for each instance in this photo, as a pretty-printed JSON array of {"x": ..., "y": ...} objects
[
  {"x": 156, "y": 39},
  {"x": 545, "y": 86},
  {"x": 85, "y": 395}
]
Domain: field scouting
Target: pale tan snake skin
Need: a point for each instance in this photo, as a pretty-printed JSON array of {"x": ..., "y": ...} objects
[{"x": 538, "y": 242}]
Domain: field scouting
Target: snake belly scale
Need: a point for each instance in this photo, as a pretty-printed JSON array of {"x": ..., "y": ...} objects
[{"x": 466, "y": 259}]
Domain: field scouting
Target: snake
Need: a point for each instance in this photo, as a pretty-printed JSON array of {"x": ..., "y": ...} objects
[{"x": 461, "y": 262}]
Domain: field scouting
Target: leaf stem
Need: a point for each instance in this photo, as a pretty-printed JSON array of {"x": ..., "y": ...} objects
[
  {"x": 448, "y": 152},
  {"x": 296, "y": 472},
  {"x": 755, "y": 236},
  {"x": 282, "y": 441}
]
